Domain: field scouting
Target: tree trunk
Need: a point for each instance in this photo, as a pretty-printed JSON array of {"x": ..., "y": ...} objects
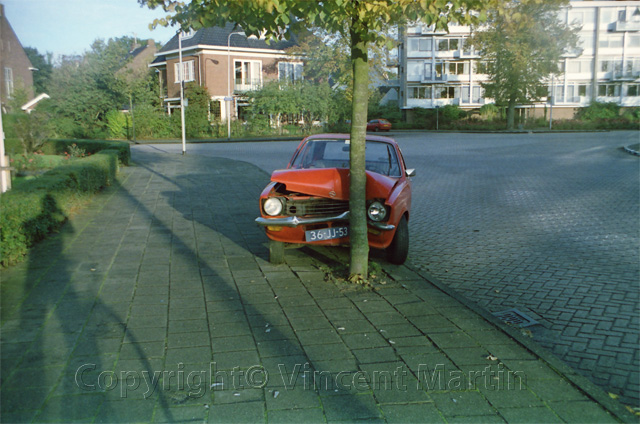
[
  {"x": 357, "y": 198},
  {"x": 511, "y": 112}
]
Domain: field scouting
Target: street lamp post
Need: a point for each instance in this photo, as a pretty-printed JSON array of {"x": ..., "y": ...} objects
[
  {"x": 229, "y": 99},
  {"x": 5, "y": 176},
  {"x": 181, "y": 74}
]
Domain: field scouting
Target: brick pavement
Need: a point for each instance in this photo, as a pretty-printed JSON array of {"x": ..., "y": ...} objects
[
  {"x": 157, "y": 304},
  {"x": 546, "y": 223}
]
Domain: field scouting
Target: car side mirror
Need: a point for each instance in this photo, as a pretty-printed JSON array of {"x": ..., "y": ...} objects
[{"x": 411, "y": 172}]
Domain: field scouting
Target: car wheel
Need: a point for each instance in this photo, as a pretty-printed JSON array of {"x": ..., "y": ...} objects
[
  {"x": 276, "y": 252},
  {"x": 399, "y": 248}
]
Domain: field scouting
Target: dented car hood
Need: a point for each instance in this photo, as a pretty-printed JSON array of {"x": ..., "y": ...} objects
[{"x": 331, "y": 183}]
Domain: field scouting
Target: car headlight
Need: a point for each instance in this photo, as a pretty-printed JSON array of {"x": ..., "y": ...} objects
[
  {"x": 272, "y": 206},
  {"x": 377, "y": 212}
]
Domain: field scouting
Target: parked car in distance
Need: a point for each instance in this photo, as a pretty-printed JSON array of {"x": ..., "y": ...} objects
[
  {"x": 308, "y": 202},
  {"x": 378, "y": 125}
]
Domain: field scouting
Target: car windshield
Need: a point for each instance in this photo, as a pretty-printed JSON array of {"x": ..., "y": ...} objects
[{"x": 334, "y": 153}]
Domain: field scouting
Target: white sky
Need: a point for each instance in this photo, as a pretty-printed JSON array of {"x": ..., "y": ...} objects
[{"x": 66, "y": 27}]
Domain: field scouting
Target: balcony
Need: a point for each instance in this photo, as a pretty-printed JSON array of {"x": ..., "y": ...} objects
[
  {"x": 624, "y": 26},
  {"x": 465, "y": 54},
  {"x": 241, "y": 86}
]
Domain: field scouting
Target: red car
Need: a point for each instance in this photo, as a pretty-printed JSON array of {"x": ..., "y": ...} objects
[
  {"x": 378, "y": 125},
  {"x": 308, "y": 202}
]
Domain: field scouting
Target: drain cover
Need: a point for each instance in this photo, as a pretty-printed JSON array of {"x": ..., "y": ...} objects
[{"x": 515, "y": 317}]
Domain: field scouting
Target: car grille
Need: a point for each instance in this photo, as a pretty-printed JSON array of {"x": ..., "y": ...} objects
[{"x": 315, "y": 207}]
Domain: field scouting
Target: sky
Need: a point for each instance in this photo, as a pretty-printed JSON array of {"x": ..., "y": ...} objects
[{"x": 68, "y": 27}]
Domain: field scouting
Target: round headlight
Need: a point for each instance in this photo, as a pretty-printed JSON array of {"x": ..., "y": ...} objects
[
  {"x": 272, "y": 206},
  {"x": 377, "y": 212}
]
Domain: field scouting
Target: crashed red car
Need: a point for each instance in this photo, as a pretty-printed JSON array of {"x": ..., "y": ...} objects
[{"x": 308, "y": 202}]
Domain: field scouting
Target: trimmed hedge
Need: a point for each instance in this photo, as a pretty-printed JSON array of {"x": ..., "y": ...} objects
[
  {"x": 35, "y": 208},
  {"x": 60, "y": 147}
]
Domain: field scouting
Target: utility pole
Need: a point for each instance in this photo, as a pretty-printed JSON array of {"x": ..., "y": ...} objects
[
  {"x": 181, "y": 73},
  {"x": 5, "y": 176}
]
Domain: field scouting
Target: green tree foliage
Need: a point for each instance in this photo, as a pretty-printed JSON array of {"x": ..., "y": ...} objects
[
  {"x": 85, "y": 88},
  {"x": 196, "y": 114},
  {"x": 44, "y": 66},
  {"x": 303, "y": 102},
  {"x": 363, "y": 23},
  {"x": 521, "y": 46},
  {"x": 33, "y": 130}
]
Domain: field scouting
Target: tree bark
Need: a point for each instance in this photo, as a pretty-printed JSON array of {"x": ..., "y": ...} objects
[
  {"x": 358, "y": 183},
  {"x": 511, "y": 112}
]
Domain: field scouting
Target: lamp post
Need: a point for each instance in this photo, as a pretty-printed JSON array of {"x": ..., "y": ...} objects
[
  {"x": 181, "y": 73},
  {"x": 5, "y": 176},
  {"x": 229, "y": 99},
  {"x": 553, "y": 91}
]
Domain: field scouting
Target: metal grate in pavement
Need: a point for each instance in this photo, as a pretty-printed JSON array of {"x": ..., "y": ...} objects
[{"x": 516, "y": 317}]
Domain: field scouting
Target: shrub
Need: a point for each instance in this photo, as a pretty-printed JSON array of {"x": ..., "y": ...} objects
[
  {"x": 118, "y": 124},
  {"x": 90, "y": 147},
  {"x": 32, "y": 210},
  {"x": 597, "y": 111}
]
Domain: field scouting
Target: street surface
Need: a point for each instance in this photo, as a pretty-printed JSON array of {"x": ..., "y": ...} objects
[{"x": 544, "y": 223}]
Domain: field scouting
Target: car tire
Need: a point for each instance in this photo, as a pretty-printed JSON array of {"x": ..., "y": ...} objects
[
  {"x": 276, "y": 252},
  {"x": 398, "y": 250}
]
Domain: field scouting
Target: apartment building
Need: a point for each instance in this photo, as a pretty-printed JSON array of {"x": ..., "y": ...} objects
[
  {"x": 227, "y": 63},
  {"x": 439, "y": 68}
]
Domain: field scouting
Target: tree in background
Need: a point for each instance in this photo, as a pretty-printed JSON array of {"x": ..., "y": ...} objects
[
  {"x": 44, "y": 66},
  {"x": 363, "y": 23},
  {"x": 521, "y": 46},
  {"x": 85, "y": 88}
]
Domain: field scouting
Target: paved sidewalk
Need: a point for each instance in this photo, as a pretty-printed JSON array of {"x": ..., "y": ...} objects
[{"x": 158, "y": 304}]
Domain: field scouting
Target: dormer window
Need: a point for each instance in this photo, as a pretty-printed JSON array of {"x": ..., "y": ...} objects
[{"x": 187, "y": 34}]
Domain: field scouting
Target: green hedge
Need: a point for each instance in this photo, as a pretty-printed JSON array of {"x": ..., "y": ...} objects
[
  {"x": 60, "y": 147},
  {"x": 35, "y": 208}
]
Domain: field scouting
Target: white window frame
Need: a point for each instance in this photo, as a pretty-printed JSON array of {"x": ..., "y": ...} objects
[
  {"x": 8, "y": 82},
  {"x": 244, "y": 81},
  {"x": 294, "y": 76},
  {"x": 188, "y": 68}
]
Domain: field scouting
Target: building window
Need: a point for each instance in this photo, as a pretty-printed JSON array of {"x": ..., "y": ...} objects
[
  {"x": 610, "y": 41},
  {"x": 414, "y": 70},
  {"x": 188, "y": 70},
  {"x": 447, "y": 92},
  {"x": 448, "y": 44},
  {"x": 8, "y": 82},
  {"x": 248, "y": 75},
  {"x": 633, "y": 90},
  {"x": 419, "y": 92},
  {"x": 288, "y": 71},
  {"x": 608, "y": 90},
  {"x": 578, "y": 66},
  {"x": 458, "y": 68},
  {"x": 611, "y": 65},
  {"x": 420, "y": 44}
]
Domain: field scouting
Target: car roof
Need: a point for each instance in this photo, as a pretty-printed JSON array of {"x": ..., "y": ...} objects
[{"x": 348, "y": 137}]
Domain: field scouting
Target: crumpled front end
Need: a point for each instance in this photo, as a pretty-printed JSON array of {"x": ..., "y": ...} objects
[{"x": 312, "y": 206}]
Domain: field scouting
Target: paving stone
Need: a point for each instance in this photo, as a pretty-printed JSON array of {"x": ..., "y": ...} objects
[
  {"x": 462, "y": 404},
  {"x": 119, "y": 412},
  {"x": 71, "y": 408},
  {"x": 412, "y": 413},
  {"x": 350, "y": 408},
  {"x": 314, "y": 415}
]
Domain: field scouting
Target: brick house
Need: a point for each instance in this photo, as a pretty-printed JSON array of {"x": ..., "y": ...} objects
[
  {"x": 15, "y": 67},
  {"x": 227, "y": 63}
]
